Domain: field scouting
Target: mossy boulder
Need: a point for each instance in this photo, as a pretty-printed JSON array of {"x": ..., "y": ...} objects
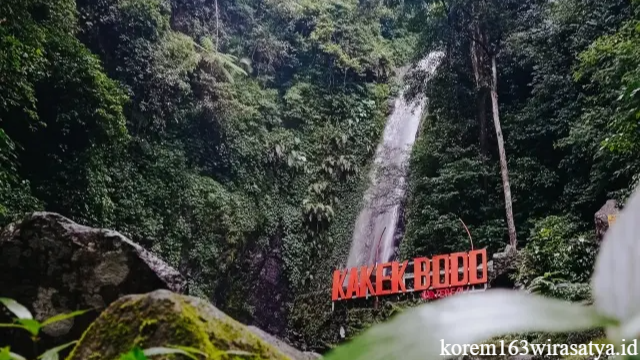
[
  {"x": 53, "y": 265},
  {"x": 163, "y": 318}
]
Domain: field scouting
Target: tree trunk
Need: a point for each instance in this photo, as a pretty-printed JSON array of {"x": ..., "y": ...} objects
[
  {"x": 481, "y": 110},
  {"x": 217, "y": 27},
  {"x": 479, "y": 63},
  {"x": 503, "y": 156}
]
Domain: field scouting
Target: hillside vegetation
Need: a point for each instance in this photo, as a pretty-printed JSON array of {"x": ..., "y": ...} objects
[
  {"x": 567, "y": 91},
  {"x": 202, "y": 130},
  {"x": 213, "y": 132}
]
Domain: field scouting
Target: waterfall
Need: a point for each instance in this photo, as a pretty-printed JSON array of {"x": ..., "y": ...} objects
[{"x": 375, "y": 229}]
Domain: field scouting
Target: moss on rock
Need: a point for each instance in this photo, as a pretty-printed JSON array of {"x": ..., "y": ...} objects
[{"x": 162, "y": 318}]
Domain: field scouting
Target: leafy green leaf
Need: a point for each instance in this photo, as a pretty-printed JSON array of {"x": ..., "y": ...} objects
[
  {"x": 15, "y": 356},
  {"x": 61, "y": 317},
  {"x": 465, "y": 319},
  {"x": 32, "y": 326},
  {"x": 53, "y": 354},
  {"x": 189, "y": 350},
  {"x": 166, "y": 351},
  {"x": 5, "y": 354},
  {"x": 134, "y": 354},
  {"x": 616, "y": 278},
  {"x": 18, "y": 310}
]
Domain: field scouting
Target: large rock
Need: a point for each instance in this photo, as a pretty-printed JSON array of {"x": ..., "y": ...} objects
[
  {"x": 256, "y": 291},
  {"x": 270, "y": 287},
  {"x": 501, "y": 267},
  {"x": 52, "y": 265},
  {"x": 608, "y": 210},
  {"x": 162, "y": 318},
  {"x": 285, "y": 348}
]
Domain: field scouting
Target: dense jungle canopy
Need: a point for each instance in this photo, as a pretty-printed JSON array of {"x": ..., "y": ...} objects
[{"x": 210, "y": 131}]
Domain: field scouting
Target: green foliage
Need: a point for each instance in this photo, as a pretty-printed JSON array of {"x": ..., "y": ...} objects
[
  {"x": 134, "y": 354},
  {"x": 206, "y": 133},
  {"x": 24, "y": 320},
  {"x": 566, "y": 71},
  {"x": 556, "y": 251},
  {"x": 551, "y": 285},
  {"x": 139, "y": 354},
  {"x": 5, "y": 354},
  {"x": 611, "y": 63},
  {"x": 450, "y": 181},
  {"x": 553, "y": 123},
  {"x": 53, "y": 353},
  {"x": 16, "y": 308},
  {"x": 501, "y": 312},
  {"x": 545, "y": 284},
  {"x": 201, "y": 133}
]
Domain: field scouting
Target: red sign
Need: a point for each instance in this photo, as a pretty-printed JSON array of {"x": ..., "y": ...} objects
[
  {"x": 440, "y": 293},
  {"x": 440, "y": 272}
]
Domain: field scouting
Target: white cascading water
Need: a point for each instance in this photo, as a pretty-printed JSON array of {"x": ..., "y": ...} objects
[{"x": 375, "y": 229}]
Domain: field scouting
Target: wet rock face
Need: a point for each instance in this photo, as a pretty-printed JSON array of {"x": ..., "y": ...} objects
[
  {"x": 161, "y": 318},
  {"x": 601, "y": 218},
  {"x": 269, "y": 298},
  {"x": 52, "y": 265},
  {"x": 255, "y": 291}
]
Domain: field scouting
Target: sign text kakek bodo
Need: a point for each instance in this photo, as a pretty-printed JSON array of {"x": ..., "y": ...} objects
[{"x": 457, "y": 270}]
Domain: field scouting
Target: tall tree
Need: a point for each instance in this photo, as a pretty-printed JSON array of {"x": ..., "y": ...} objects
[
  {"x": 484, "y": 26},
  {"x": 485, "y": 47}
]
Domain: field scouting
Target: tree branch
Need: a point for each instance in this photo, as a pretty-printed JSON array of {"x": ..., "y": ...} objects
[{"x": 488, "y": 52}]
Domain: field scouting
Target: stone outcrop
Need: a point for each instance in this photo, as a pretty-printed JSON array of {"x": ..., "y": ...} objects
[
  {"x": 287, "y": 349},
  {"x": 601, "y": 218},
  {"x": 162, "y": 318},
  {"x": 255, "y": 290},
  {"x": 502, "y": 265},
  {"x": 270, "y": 288},
  {"x": 53, "y": 265}
]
